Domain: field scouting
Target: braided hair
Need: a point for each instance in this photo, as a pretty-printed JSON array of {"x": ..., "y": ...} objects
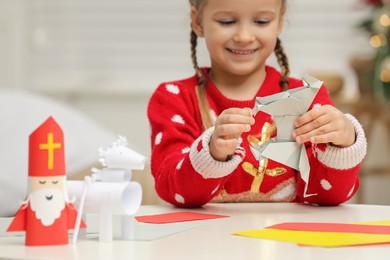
[
  {"x": 201, "y": 89},
  {"x": 283, "y": 63}
]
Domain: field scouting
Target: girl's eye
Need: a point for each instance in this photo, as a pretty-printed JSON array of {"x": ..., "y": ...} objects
[
  {"x": 226, "y": 22},
  {"x": 42, "y": 182},
  {"x": 54, "y": 182},
  {"x": 262, "y": 22}
]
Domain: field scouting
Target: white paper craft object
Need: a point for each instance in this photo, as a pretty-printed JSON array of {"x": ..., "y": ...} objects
[
  {"x": 118, "y": 161},
  {"x": 109, "y": 191},
  {"x": 285, "y": 108}
]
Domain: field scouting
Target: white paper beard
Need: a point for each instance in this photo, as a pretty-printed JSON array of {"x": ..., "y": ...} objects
[{"x": 47, "y": 205}]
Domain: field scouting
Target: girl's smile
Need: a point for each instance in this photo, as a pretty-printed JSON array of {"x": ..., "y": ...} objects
[{"x": 242, "y": 52}]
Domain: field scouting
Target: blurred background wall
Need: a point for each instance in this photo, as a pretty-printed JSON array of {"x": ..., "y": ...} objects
[{"x": 105, "y": 58}]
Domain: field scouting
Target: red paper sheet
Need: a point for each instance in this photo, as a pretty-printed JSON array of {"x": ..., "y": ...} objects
[
  {"x": 176, "y": 217},
  {"x": 333, "y": 227}
]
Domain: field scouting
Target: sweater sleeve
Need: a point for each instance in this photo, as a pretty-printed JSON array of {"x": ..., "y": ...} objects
[
  {"x": 348, "y": 157},
  {"x": 334, "y": 171},
  {"x": 185, "y": 173}
]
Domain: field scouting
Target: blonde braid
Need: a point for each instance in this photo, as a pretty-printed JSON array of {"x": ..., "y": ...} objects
[
  {"x": 283, "y": 63},
  {"x": 194, "y": 43},
  {"x": 202, "y": 82}
]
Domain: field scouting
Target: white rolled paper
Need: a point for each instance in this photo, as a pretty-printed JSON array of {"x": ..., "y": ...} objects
[
  {"x": 123, "y": 197},
  {"x": 112, "y": 175}
]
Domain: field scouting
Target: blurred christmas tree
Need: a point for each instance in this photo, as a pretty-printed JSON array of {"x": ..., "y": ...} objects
[{"x": 378, "y": 25}]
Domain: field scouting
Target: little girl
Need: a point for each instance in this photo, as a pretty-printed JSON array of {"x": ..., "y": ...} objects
[{"x": 202, "y": 127}]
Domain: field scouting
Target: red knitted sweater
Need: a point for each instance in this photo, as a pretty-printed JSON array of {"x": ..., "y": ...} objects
[{"x": 187, "y": 176}]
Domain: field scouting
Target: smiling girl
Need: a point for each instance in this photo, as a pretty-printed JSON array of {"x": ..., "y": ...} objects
[{"x": 202, "y": 126}]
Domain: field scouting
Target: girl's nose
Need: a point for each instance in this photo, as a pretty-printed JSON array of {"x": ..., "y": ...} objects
[{"x": 244, "y": 34}]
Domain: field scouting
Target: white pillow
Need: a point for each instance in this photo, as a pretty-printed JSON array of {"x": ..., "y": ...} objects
[{"x": 20, "y": 114}]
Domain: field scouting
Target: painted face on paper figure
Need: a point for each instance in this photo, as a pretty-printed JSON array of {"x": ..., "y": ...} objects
[{"x": 47, "y": 198}]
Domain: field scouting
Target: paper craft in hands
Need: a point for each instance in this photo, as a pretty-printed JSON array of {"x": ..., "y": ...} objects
[
  {"x": 285, "y": 108},
  {"x": 47, "y": 213}
]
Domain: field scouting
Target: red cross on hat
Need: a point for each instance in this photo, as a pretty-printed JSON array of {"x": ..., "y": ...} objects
[{"x": 46, "y": 150}]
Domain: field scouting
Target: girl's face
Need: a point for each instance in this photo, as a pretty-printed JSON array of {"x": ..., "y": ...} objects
[{"x": 240, "y": 35}]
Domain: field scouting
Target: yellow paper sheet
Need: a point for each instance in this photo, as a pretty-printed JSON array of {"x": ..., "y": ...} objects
[
  {"x": 375, "y": 223},
  {"x": 322, "y": 239}
]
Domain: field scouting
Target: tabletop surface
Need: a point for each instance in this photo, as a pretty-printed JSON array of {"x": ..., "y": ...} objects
[{"x": 212, "y": 239}]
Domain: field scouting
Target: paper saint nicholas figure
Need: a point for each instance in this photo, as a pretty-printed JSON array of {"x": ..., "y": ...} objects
[{"x": 47, "y": 213}]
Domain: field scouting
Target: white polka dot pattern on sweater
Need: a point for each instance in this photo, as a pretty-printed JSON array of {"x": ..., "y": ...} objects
[
  {"x": 179, "y": 198},
  {"x": 158, "y": 138},
  {"x": 351, "y": 191},
  {"x": 172, "y": 89},
  {"x": 215, "y": 190},
  {"x": 178, "y": 119},
  {"x": 325, "y": 184},
  {"x": 186, "y": 150},
  {"x": 178, "y": 166}
]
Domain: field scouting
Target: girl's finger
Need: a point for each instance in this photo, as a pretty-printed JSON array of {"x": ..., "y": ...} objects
[
  {"x": 312, "y": 125},
  {"x": 226, "y": 143},
  {"x": 323, "y": 138},
  {"x": 306, "y": 137},
  {"x": 242, "y": 111},
  {"x": 310, "y": 116},
  {"x": 235, "y": 119},
  {"x": 235, "y": 130}
]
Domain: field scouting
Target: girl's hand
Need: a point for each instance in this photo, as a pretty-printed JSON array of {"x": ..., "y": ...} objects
[
  {"x": 229, "y": 126},
  {"x": 324, "y": 124}
]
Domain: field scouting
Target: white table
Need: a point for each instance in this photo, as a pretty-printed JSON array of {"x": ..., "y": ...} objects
[{"x": 212, "y": 239}]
